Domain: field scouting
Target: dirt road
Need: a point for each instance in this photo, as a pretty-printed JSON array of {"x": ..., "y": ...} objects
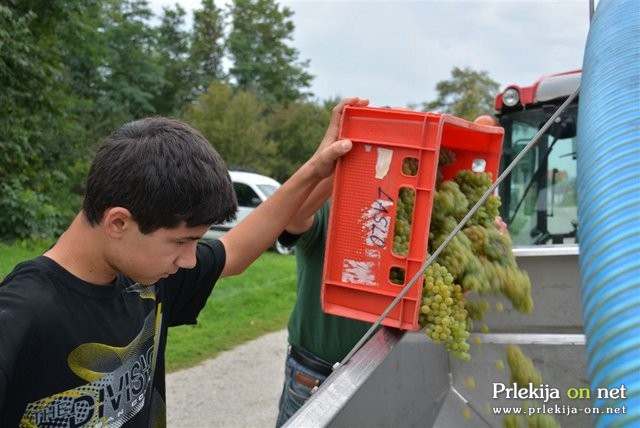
[{"x": 238, "y": 389}]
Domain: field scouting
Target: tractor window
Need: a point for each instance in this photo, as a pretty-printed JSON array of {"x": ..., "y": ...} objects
[{"x": 539, "y": 196}]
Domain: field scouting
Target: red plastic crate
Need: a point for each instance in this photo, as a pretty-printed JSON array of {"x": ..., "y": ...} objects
[{"x": 367, "y": 181}]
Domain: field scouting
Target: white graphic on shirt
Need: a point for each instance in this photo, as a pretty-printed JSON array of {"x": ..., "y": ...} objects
[{"x": 119, "y": 380}]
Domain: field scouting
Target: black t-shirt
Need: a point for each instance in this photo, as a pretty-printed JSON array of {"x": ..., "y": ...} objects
[{"x": 76, "y": 354}]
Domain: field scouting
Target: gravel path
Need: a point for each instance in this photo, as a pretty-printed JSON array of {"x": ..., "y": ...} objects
[{"x": 237, "y": 389}]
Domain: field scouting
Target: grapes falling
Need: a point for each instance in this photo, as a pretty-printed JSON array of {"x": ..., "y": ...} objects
[{"x": 478, "y": 259}]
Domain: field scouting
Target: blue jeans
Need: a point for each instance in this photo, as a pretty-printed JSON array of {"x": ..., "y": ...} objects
[{"x": 298, "y": 384}]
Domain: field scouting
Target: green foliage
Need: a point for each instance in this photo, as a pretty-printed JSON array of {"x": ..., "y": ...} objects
[
  {"x": 207, "y": 46},
  {"x": 26, "y": 213},
  {"x": 132, "y": 76},
  {"x": 296, "y": 130},
  {"x": 262, "y": 60},
  {"x": 234, "y": 124},
  {"x": 467, "y": 95},
  {"x": 37, "y": 106},
  {"x": 176, "y": 91}
]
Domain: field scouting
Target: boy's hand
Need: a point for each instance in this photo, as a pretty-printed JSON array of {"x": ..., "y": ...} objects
[{"x": 330, "y": 148}]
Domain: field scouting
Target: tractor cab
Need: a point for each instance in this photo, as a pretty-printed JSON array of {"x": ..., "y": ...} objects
[{"x": 539, "y": 196}]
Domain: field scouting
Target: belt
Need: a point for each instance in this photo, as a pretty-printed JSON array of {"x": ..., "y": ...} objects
[{"x": 303, "y": 358}]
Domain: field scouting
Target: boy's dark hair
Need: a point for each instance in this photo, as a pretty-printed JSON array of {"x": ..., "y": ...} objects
[{"x": 164, "y": 172}]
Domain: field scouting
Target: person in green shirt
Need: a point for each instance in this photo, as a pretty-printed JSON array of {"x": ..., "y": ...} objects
[{"x": 316, "y": 340}]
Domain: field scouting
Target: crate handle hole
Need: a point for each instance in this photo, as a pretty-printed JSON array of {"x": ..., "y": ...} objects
[
  {"x": 478, "y": 165},
  {"x": 402, "y": 221},
  {"x": 410, "y": 166},
  {"x": 396, "y": 275}
]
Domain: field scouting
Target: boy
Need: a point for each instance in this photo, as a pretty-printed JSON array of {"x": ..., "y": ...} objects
[{"x": 84, "y": 326}]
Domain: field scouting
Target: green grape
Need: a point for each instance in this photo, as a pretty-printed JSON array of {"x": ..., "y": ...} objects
[
  {"x": 396, "y": 276},
  {"x": 516, "y": 286},
  {"x": 474, "y": 186},
  {"x": 511, "y": 421},
  {"x": 442, "y": 318},
  {"x": 446, "y": 157},
  {"x": 410, "y": 166},
  {"x": 466, "y": 413},
  {"x": 523, "y": 372},
  {"x": 471, "y": 382},
  {"x": 404, "y": 213},
  {"x": 449, "y": 200},
  {"x": 487, "y": 408},
  {"x": 540, "y": 420},
  {"x": 497, "y": 247},
  {"x": 522, "y": 369},
  {"x": 477, "y": 309},
  {"x": 479, "y": 237}
]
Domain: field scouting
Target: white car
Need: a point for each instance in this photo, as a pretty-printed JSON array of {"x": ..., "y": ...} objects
[{"x": 251, "y": 190}]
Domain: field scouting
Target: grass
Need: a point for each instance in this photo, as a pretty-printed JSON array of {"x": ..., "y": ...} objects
[
  {"x": 12, "y": 254},
  {"x": 240, "y": 309}
]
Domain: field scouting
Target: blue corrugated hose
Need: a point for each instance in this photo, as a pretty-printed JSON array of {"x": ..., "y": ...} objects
[{"x": 609, "y": 208}]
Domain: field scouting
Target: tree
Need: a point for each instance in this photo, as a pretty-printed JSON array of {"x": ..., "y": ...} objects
[
  {"x": 262, "y": 60},
  {"x": 207, "y": 46},
  {"x": 133, "y": 78},
  {"x": 172, "y": 50},
  {"x": 233, "y": 121},
  {"x": 296, "y": 131},
  {"x": 70, "y": 73},
  {"x": 38, "y": 105},
  {"x": 467, "y": 94}
]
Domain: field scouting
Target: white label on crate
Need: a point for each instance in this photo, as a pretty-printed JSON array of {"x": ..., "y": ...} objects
[
  {"x": 358, "y": 272},
  {"x": 383, "y": 162}
]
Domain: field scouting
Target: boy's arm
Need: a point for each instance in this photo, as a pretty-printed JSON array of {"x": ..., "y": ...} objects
[
  {"x": 258, "y": 231},
  {"x": 303, "y": 219}
]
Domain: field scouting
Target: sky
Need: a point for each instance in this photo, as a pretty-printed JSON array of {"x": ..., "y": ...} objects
[{"x": 394, "y": 52}]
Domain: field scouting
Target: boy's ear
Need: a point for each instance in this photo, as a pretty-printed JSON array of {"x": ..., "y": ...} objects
[{"x": 117, "y": 221}]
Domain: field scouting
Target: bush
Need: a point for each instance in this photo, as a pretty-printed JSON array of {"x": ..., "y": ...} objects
[{"x": 27, "y": 214}]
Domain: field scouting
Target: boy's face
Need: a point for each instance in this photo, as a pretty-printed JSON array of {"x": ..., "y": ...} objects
[{"x": 146, "y": 258}]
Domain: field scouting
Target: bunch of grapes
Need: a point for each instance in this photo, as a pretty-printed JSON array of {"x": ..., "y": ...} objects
[
  {"x": 447, "y": 157},
  {"x": 404, "y": 211},
  {"x": 521, "y": 367},
  {"x": 476, "y": 309},
  {"x": 523, "y": 372},
  {"x": 474, "y": 186},
  {"x": 477, "y": 259},
  {"x": 480, "y": 257},
  {"x": 443, "y": 311}
]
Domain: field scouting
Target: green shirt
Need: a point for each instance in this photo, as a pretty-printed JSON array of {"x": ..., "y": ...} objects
[{"x": 328, "y": 337}]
